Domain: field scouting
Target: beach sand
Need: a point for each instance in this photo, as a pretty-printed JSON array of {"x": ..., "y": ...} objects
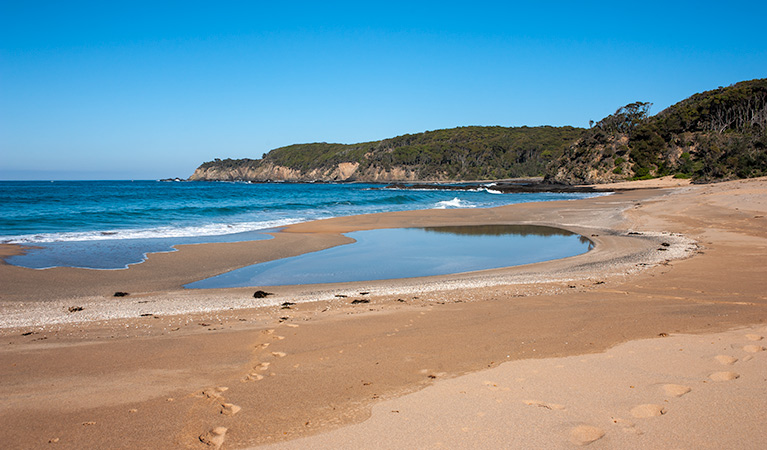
[{"x": 598, "y": 349}]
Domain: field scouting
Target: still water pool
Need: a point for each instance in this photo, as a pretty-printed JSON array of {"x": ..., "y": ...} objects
[{"x": 410, "y": 252}]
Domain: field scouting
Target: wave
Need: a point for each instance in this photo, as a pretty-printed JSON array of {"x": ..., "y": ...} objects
[
  {"x": 454, "y": 203},
  {"x": 484, "y": 188},
  {"x": 426, "y": 189},
  {"x": 213, "y": 229}
]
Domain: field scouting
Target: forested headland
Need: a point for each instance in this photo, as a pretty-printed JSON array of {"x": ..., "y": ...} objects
[
  {"x": 464, "y": 153},
  {"x": 714, "y": 135}
]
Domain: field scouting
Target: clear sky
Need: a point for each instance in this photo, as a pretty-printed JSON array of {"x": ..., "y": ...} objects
[{"x": 144, "y": 90}]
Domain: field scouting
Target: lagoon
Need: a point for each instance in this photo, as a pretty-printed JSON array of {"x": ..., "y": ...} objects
[{"x": 410, "y": 252}]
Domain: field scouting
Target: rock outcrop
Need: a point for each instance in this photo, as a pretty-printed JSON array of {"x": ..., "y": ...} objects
[
  {"x": 269, "y": 172},
  {"x": 465, "y": 153}
]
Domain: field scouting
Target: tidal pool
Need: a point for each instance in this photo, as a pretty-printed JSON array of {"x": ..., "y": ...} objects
[{"x": 410, "y": 252}]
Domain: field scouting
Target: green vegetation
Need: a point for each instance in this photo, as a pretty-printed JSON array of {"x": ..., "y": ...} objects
[
  {"x": 465, "y": 153},
  {"x": 714, "y": 135},
  {"x": 229, "y": 163}
]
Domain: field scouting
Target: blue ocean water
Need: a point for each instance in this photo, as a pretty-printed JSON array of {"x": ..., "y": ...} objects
[{"x": 110, "y": 224}]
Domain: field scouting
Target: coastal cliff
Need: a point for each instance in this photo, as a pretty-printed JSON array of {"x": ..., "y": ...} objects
[
  {"x": 267, "y": 171},
  {"x": 464, "y": 153},
  {"x": 715, "y": 135}
]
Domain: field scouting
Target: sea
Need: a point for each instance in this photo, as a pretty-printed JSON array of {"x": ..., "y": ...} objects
[{"x": 112, "y": 224}]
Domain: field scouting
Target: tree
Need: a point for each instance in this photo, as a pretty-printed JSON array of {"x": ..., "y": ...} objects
[
  {"x": 633, "y": 115},
  {"x": 626, "y": 118}
]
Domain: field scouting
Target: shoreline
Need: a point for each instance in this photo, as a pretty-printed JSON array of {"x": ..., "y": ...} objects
[
  {"x": 320, "y": 365},
  {"x": 162, "y": 276}
]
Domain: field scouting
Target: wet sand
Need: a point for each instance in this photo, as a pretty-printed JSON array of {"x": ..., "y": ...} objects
[{"x": 170, "y": 368}]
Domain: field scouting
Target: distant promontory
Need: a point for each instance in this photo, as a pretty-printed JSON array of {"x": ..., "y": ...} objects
[{"x": 714, "y": 135}]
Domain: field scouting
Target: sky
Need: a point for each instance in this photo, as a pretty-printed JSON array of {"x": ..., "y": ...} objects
[{"x": 147, "y": 90}]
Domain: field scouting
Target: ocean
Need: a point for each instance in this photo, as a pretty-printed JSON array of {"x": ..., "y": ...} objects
[{"x": 112, "y": 224}]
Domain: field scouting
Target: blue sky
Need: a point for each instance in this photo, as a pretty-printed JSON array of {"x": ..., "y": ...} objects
[{"x": 133, "y": 90}]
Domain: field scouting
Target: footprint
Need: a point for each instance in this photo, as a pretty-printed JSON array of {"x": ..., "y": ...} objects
[
  {"x": 279, "y": 354},
  {"x": 553, "y": 406},
  {"x": 585, "y": 434},
  {"x": 214, "y": 438},
  {"x": 647, "y": 410},
  {"x": 252, "y": 377},
  {"x": 262, "y": 346},
  {"x": 724, "y": 376},
  {"x": 215, "y": 392},
  {"x": 753, "y": 348},
  {"x": 676, "y": 390},
  {"x": 726, "y": 360},
  {"x": 229, "y": 409},
  {"x": 754, "y": 337},
  {"x": 263, "y": 366},
  {"x": 279, "y": 338},
  {"x": 270, "y": 331},
  {"x": 627, "y": 426}
]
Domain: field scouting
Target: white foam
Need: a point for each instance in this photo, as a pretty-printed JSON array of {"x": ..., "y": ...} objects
[
  {"x": 454, "y": 203},
  {"x": 213, "y": 229}
]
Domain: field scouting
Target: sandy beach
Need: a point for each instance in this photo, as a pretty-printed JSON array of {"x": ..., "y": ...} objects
[{"x": 655, "y": 338}]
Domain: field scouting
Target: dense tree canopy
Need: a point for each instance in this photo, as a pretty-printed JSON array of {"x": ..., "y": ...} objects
[
  {"x": 718, "y": 134},
  {"x": 465, "y": 153}
]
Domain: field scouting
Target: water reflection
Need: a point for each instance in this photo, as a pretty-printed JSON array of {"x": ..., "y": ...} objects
[
  {"x": 411, "y": 252},
  {"x": 500, "y": 230},
  {"x": 504, "y": 230}
]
